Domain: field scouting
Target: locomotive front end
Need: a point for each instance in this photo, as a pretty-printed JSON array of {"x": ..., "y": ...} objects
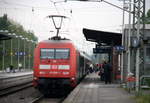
[{"x": 53, "y": 66}]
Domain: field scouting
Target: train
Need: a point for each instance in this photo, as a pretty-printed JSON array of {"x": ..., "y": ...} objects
[{"x": 58, "y": 64}]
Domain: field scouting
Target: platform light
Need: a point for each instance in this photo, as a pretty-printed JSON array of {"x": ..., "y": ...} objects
[
  {"x": 3, "y": 58},
  {"x": 25, "y": 39},
  {"x": 4, "y": 51},
  {"x": 11, "y": 44},
  {"x": 18, "y": 50},
  {"x": 4, "y": 31},
  {"x": 23, "y": 53},
  {"x": 29, "y": 52},
  {"x": 10, "y": 34}
]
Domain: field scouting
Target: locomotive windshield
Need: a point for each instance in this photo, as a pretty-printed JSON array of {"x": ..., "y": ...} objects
[
  {"x": 47, "y": 53},
  {"x": 54, "y": 53},
  {"x": 62, "y": 53}
]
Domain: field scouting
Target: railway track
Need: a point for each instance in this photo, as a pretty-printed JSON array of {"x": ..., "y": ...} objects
[
  {"x": 14, "y": 84},
  {"x": 20, "y": 84},
  {"x": 36, "y": 100},
  {"x": 11, "y": 81},
  {"x": 13, "y": 89}
]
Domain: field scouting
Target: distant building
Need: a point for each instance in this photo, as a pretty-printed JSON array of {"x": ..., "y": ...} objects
[{"x": 145, "y": 46}]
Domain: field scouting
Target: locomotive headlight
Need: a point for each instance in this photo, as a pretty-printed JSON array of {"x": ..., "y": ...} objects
[
  {"x": 72, "y": 78},
  {"x": 64, "y": 67},
  {"x": 35, "y": 78}
]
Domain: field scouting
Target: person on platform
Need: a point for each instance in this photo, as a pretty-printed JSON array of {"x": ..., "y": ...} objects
[
  {"x": 11, "y": 68},
  {"x": 107, "y": 72},
  {"x": 101, "y": 72},
  {"x": 91, "y": 68}
]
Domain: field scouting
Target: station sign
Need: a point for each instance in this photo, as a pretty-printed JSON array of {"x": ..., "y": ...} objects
[
  {"x": 20, "y": 53},
  {"x": 135, "y": 43},
  {"x": 102, "y": 50},
  {"x": 119, "y": 48}
]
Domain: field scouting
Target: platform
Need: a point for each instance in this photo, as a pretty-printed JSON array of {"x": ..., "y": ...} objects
[
  {"x": 92, "y": 90},
  {"x": 4, "y": 74}
]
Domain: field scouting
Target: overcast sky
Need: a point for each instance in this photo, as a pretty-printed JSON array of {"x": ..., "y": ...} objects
[{"x": 92, "y": 15}]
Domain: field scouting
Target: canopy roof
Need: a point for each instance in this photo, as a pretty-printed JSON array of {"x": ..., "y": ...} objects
[
  {"x": 109, "y": 38},
  {"x": 4, "y": 36}
]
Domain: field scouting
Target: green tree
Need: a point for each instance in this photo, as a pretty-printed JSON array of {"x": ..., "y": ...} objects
[
  {"x": 14, "y": 27},
  {"x": 4, "y": 23},
  {"x": 148, "y": 17}
]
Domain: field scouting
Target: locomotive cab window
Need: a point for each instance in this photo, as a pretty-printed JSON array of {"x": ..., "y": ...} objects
[
  {"x": 55, "y": 53},
  {"x": 47, "y": 53},
  {"x": 62, "y": 53}
]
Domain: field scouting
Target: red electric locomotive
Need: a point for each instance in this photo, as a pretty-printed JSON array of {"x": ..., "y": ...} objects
[{"x": 58, "y": 64}]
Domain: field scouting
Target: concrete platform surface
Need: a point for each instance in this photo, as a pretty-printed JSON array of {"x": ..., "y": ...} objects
[
  {"x": 4, "y": 75},
  {"x": 92, "y": 90}
]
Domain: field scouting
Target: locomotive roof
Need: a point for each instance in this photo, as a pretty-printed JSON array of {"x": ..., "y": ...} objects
[{"x": 57, "y": 41}]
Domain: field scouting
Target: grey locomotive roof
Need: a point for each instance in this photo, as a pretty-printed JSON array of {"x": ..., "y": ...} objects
[{"x": 57, "y": 41}]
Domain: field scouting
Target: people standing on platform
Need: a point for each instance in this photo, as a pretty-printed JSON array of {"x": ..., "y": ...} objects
[
  {"x": 11, "y": 68},
  {"x": 88, "y": 67},
  {"x": 20, "y": 66},
  {"x": 101, "y": 72},
  {"x": 107, "y": 72},
  {"x": 91, "y": 68},
  {"x": 96, "y": 68}
]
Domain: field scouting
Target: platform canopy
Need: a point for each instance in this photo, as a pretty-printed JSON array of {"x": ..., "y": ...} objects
[
  {"x": 4, "y": 36},
  {"x": 108, "y": 38}
]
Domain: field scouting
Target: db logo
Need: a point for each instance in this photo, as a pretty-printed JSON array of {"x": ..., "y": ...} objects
[{"x": 54, "y": 66}]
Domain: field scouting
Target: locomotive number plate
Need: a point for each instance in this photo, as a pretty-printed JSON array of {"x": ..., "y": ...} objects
[{"x": 54, "y": 67}]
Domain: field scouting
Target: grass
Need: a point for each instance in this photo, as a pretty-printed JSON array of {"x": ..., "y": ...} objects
[{"x": 142, "y": 98}]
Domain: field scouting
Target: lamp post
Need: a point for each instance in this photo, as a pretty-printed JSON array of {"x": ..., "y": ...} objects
[
  {"x": 18, "y": 50},
  {"x": 28, "y": 53},
  {"x": 129, "y": 36},
  {"x": 125, "y": 7},
  {"x": 34, "y": 45},
  {"x": 3, "y": 58},
  {"x": 11, "y": 53},
  {"x": 24, "y": 52},
  {"x": 10, "y": 49},
  {"x": 30, "y": 47},
  {"x": 122, "y": 61},
  {"x": 11, "y": 46}
]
